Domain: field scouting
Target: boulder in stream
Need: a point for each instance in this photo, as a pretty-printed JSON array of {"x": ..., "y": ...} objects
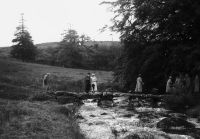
[
  {"x": 145, "y": 134},
  {"x": 172, "y": 123}
]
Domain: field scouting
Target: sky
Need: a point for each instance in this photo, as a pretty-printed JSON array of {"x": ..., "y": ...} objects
[{"x": 46, "y": 20}]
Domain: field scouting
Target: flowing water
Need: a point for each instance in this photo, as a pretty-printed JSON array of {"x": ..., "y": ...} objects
[{"x": 135, "y": 119}]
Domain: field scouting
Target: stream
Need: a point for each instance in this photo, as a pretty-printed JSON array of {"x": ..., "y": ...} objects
[{"x": 134, "y": 119}]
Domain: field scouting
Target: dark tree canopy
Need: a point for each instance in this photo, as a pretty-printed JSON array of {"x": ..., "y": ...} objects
[
  {"x": 160, "y": 37},
  {"x": 157, "y": 20},
  {"x": 23, "y": 48}
]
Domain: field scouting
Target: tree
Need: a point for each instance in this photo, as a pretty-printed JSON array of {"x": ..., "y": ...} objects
[
  {"x": 159, "y": 36},
  {"x": 83, "y": 38},
  {"x": 24, "y": 48},
  {"x": 69, "y": 54},
  {"x": 71, "y": 36}
]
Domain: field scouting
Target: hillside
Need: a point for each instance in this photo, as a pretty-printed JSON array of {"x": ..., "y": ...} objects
[
  {"x": 47, "y": 45},
  {"x": 5, "y": 51},
  {"x": 18, "y": 75},
  {"x": 89, "y": 43},
  {"x": 24, "y": 117}
]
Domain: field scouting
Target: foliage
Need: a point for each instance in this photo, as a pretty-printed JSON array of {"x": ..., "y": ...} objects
[
  {"x": 160, "y": 37},
  {"x": 71, "y": 36},
  {"x": 80, "y": 56},
  {"x": 84, "y": 38},
  {"x": 40, "y": 97},
  {"x": 73, "y": 56},
  {"x": 24, "y": 119},
  {"x": 181, "y": 102},
  {"x": 69, "y": 55},
  {"x": 24, "y": 48}
]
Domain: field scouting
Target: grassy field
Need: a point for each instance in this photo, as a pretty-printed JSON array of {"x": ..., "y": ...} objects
[
  {"x": 5, "y": 51},
  {"x": 22, "y": 118},
  {"x": 29, "y": 76},
  {"x": 38, "y": 120}
]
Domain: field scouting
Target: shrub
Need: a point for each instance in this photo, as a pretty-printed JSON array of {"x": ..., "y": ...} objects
[
  {"x": 110, "y": 86},
  {"x": 181, "y": 102},
  {"x": 194, "y": 112},
  {"x": 10, "y": 110},
  {"x": 40, "y": 97}
]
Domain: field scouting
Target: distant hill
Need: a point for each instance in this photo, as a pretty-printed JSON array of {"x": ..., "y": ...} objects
[
  {"x": 103, "y": 43},
  {"x": 47, "y": 45},
  {"x": 5, "y": 51},
  {"x": 89, "y": 43}
]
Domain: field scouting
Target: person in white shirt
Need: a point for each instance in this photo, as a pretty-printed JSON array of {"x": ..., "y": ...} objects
[
  {"x": 93, "y": 83},
  {"x": 45, "y": 82},
  {"x": 169, "y": 85},
  {"x": 139, "y": 84}
]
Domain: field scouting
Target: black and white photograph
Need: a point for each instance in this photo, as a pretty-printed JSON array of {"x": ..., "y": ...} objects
[{"x": 99, "y": 69}]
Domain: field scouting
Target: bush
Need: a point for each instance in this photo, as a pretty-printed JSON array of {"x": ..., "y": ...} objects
[
  {"x": 70, "y": 112},
  {"x": 13, "y": 92},
  {"x": 74, "y": 86},
  {"x": 110, "y": 86},
  {"x": 40, "y": 97},
  {"x": 181, "y": 102},
  {"x": 10, "y": 110},
  {"x": 194, "y": 112}
]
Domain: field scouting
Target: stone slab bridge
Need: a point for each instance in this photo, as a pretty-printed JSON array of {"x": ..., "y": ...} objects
[{"x": 63, "y": 96}]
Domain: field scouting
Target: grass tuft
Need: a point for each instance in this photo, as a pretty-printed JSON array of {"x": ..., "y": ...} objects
[{"x": 40, "y": 97}]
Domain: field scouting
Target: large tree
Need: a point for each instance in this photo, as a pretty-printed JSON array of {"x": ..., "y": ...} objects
[
  {"x": 23, "y": 47},
  {"x": 160, "y": 37},
  {"x": 70, "y": 36},
  {"x": 69, "y": 54},
  {"x": 157, "y": 20}
]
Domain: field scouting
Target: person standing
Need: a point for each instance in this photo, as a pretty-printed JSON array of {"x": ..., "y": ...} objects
[
  {"x": 46, "y": 82},
  {"x": 94, "y": 83},
  {"x": 87, "y": 83},
  {"x": 187, "y": 84},
  {"x": 196, "y": 84},
  {"x": 139, "y": 84},
  {"x": 178, "y": 84},
  {"x": 169, "y": 85}
]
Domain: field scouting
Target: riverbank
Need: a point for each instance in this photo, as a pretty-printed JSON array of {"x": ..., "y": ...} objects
[{"x": 34, "y": 119}]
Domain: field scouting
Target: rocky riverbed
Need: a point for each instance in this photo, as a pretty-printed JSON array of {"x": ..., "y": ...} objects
[{"x": 134, "y": 119}]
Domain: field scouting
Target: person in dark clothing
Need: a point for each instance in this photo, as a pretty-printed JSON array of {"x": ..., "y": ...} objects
[{"x": 87, "y": 83}]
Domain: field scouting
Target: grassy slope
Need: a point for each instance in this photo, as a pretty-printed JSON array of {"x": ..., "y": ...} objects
[
  {"x": 5, "y": 51},
  {"x": 29, "y": 76},
  {"x": 21, "y": 118},
  {"x": 36, "y": 71},
  {"x": 38, "y": 120}
]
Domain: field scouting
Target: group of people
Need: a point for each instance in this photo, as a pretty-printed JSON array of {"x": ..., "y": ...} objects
[
  {"x": 183, "y": 84},
  {"x": 90, "y": 83}
]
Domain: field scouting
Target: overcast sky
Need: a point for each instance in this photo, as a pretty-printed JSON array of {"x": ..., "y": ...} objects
[{"x": 47, "y": 19}]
